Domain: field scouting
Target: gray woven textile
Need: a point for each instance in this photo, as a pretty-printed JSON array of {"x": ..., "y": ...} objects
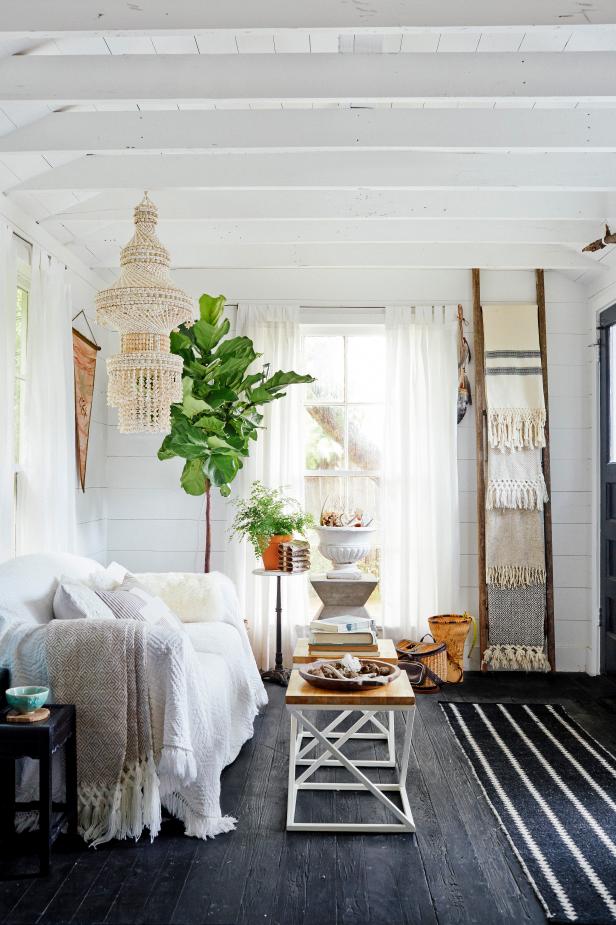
[
  {"x": 515, "y": 552},
  {"x": 100, "y": 666},
  {"x": 517, "y": 615}
]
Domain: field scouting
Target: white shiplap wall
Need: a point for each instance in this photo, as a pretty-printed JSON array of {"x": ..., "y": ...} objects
[{"x": 154, "y": 525}]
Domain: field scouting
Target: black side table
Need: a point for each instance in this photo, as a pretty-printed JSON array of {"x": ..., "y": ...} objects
[{"x": 39, "y": 741}]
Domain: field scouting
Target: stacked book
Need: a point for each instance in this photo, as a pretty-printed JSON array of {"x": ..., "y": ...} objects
[
  {"x": 343, "y": 634},
  {"x": 294, "y": 556}
]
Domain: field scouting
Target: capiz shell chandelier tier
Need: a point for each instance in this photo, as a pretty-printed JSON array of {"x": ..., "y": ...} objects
[{"x": 145, "y": 378}]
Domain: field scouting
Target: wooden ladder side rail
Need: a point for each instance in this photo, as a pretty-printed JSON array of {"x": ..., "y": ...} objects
[
  {"x": 545, "y": 458},
  {"x": 480, "y": 438}
]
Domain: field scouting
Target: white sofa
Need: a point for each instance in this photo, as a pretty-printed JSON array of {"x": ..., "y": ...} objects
[{"x": 228, "y": 678}]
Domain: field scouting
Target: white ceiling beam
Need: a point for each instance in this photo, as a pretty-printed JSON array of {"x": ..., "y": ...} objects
[
  {"x": 179, "y": 236},
  {"x": 66, "y": 79},
  {"x": 515, "y": 256},
  {"x": 340, "y": 170},
  {"x": 333, "y": 205},
  {"x": 281, "y": 130},
  {"x": 39, "y": 16}
]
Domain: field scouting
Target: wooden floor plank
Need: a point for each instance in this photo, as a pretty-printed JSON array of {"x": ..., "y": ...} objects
[{"x": 460, "y": 871}]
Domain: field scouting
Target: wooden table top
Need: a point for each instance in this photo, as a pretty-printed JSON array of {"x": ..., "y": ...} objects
[
  {"x": 387, "y": 652},
  {"x": 398, "y": 693}
]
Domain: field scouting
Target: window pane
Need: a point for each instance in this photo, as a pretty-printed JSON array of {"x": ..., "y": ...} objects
[
  {"x": 366, "y": 369},
  {"x": 365, "y": 436},
  {"x": 324, "y": 437},
  {"x": 324, "y": 492},
  {"x": 21, "y": 322},
  {"x": 324, "y": 359}
]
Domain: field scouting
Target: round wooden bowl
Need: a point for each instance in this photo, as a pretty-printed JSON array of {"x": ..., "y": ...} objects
[{"x": 348, "y": 684}]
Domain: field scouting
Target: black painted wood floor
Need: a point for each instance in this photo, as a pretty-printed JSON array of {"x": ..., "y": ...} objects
[{"x": 460, "y": 868}]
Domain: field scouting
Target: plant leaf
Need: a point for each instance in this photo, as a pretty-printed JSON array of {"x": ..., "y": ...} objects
[
  {"x": 221, "y": 469},
  {"x": 186, "y": 440},
  {"x": 210, "y": 424},
  {"x": 193, "y": 479},
  {"x": 211, "y": 307},
  {"x": 191, "y": 405},
  {"x": 281, "y": 379}
]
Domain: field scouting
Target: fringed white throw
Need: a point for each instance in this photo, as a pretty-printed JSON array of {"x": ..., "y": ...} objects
[
  {"x": 514, "y": 381},
  {"x": 515, "y": 554},
  {"x": 515, "y": 480},
  {"x": 101, "y": 667}
]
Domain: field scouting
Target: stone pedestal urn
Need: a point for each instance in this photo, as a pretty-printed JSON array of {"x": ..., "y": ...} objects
[{"x": 344, "y": 547}]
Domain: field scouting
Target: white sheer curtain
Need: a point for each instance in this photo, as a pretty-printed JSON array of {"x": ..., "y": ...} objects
[
  {"x": 8, "y": 300},
  {"x": 276, "y": 459},
  {"x": 47, "y": 486},
  {"x": 419, "y": 511}
]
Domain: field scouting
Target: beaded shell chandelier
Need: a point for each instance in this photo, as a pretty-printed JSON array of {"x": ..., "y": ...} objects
[{"x": 144, "y": 305}]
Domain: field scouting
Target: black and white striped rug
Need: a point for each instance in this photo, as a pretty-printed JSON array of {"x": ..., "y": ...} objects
[{"x": 553, "y": 790}]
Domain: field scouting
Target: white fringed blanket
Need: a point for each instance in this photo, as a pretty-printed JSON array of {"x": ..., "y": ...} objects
[
  {"x": 515, "y": 480},
  {"x": 514, "y": 381},
  {"x": 202, "y": 708}
]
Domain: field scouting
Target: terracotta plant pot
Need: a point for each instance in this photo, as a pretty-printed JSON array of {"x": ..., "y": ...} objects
[{"x": 269, "y": 552}]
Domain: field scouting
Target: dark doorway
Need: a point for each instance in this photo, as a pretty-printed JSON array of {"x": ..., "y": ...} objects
[{"x": 607, "y": 321}]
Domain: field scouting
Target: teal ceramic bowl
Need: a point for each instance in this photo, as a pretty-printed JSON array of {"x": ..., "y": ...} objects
[{"x": 26, "y": 699}]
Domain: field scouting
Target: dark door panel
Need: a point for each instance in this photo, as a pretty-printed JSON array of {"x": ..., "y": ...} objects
[{"x": 607, "y": 342}]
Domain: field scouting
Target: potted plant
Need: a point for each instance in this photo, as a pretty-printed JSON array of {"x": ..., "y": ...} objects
[
  {"x": 267, "y": 518},
  {"x": 225, "y": 385}
]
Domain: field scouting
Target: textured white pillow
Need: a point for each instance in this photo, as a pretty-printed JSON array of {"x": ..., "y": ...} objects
[
  {"x": 75, "y": 601},
  {"x": 108, "y": 579},
  {"x": 145, "y": 606},
  {"x": 194, "y": 597}
]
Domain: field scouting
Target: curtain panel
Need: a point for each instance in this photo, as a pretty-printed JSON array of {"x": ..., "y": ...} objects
[
  {"x": 47, "y": 488},
  {"x": 8, "y": 297},
  {"x": 419, "y": 496},
  {"x": 277, "y": 460}
]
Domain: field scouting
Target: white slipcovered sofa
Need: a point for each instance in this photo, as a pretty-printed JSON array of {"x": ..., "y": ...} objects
[{"x": 228, "y": 681}]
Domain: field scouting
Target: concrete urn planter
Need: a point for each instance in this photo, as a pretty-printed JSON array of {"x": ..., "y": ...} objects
[{"x": 344, "y": 547}]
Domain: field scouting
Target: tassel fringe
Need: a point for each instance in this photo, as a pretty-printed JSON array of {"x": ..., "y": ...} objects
[
  {"x": 123, "y": 811},
  {"x": 516, "y": 428},
  {"x": 515, "y": 576},
  {"x": 516, "y": 658},
  {"x": 195, "y": 824},
  {"x": 526, "y": 495}
]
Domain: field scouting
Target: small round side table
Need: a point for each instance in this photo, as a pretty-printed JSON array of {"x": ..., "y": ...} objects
[{"x": 278, "y": 674}]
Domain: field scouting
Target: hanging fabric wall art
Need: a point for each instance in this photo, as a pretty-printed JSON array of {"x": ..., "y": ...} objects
[
  {"x": 145, "y": 378},
  {"x": 516, "y": 490},
  {"x": 84, "y": 364}
]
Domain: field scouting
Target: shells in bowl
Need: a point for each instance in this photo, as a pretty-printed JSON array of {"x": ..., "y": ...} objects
[{"x": 349, "y": 673}]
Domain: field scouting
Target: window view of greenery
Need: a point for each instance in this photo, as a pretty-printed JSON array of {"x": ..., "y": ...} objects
[
  {"x": 344, "y": 411},
  {"x": 21, "y": 333}
]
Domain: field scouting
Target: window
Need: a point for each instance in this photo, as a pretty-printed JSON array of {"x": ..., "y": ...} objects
[
  {"x": 21, "y": 337},
  {"x": 344, "y": 413},
  {"x": 21, "y": 372}
]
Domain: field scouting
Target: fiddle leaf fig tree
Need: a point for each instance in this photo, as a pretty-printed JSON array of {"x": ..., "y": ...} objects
[{"x": 219, "y": 416}]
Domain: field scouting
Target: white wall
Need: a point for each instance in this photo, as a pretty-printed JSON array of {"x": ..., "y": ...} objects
[{"x": 154, "y": 525}]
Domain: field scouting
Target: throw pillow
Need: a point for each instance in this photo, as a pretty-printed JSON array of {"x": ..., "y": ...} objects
[
  {"x": 194, "y": 597},
  {"x": 131, "y": 601},
  {"x": 75, "y": 601},
  {"x": 108, "y": 579}
]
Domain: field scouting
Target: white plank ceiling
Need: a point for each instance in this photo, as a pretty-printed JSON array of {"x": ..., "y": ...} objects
[{"x": 316, "y": 135}]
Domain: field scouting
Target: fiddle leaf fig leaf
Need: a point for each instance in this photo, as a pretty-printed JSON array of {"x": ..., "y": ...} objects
[
  {"x": 193, "y": 479},
  {"x": 191, "y": 405},
  {"x": 211, "y": 307}
]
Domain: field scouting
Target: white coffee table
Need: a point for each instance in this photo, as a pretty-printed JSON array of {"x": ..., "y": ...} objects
[{"x": 303, "y": 699}]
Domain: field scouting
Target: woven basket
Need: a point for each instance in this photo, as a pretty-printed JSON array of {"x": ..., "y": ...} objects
[
  {"x": 452, "y": 629},
  {"x": 431, "y": 655}
]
